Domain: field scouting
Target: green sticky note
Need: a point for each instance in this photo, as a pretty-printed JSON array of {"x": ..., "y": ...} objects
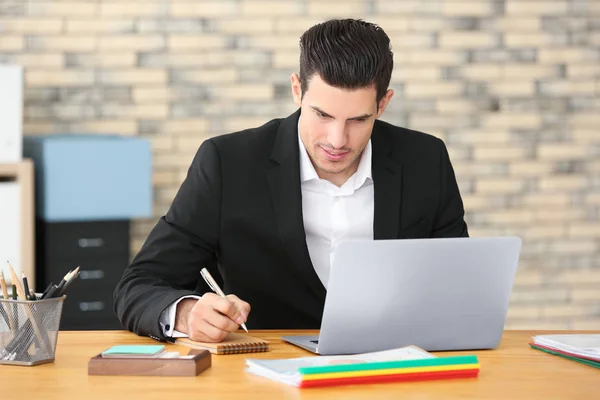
[{"x": 135, "y": 350}]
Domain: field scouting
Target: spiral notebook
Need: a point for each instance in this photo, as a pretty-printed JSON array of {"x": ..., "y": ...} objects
[{"x": 234, "y": 343}]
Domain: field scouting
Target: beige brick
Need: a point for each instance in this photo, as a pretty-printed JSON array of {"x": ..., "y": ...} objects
[
  {"x": 545, "y": 232},
  {"x": 566, "y": 55},
  {"x": 434, "y": 89},
  {"x": 562, "y": 151},
  {"x": 428, "y": 57},
  {"x": 38, "y": 128},
  {"x": 190, "y": 126},
  {"x": 585, "y": 229},
  {"x": 427, "y": 23},
  {"x": 577, "y": 246},
  {"x": 222, "y": 75},
  {"x": 585, "y": 119},
  {"x": 120, "y": 126},
  {"x": 31, "y": 26},
  {"x": 538, "y": 7},
  {"x": 163, "y": 177},
  {"x": 253, "y": 92},
  {"x": 296, "y": 25},
  {"x": 459, "y": 8},
  {"x": 517, "y": 23},
  {"x": 472, "y": 39},
  {"x": 11, "y": 43},
  {"x": 132, "y": 76},
  {"x": 529, "y": 72},
  {"x": 188, "y": 9},
  {"x": 410, "y": 7},
  {"x": 512, "y": 120},
  {"x": 271, "y": 8},
  {"x": 64, "y": 43},
  {"x": 593, "y": 198},
  {"x": 530, "y": 168},
  {"x": 426, "y": 121},
  {"x": 43, "y": 60},
  {"x": 196, "y": 42},
  {"x": 585, "y": 135},
  {"x": 545, "y": 200},
  {"x": 525, "y": 312},
  {"x": 569, "y": 88},
  {"x": 62, "y": 8},
  {"x": 412, "y": 40},
  {"x": 240, "y": 25},
  {"x": 187, "y": 143},
  {"x": 151, "y": 111},
  {"x": 172, "y": 160},
  {"x": 152, "y": 94},
  {"x": 560, "y": 183},
  {"x": 583, "y": 71},
  {"x": 392, "y": 25},
  {"x": 162, "y": 143},
  {"x": 107, "y": 60},
  {"x": 530, "y": 40},
  {"x": 99, "y": 25},
  {"x": 117, "y": 8},
  {"x": 287, "y": 59},
  {"x": 586, "y": 324},
  {"x": 479, "y": 136},
  {"x": 538, "y": 295},
  {"x": 512, "y": 88},
  {"x": 528, "y": 325},
  {"x": 131, "y": 43},
  {"x": 70, "y": 77},
  {"x": 477, "y": 203},
  {"x": 270, "y": 42},
  {"x": 413, "y": 73},
  {"x": 501, "y": 186},
  {"x": 562, "y": 215},
  {"x": 351, "y": 8},
  {"x": 454, "y": 106},
  {"x": 526, "y": 277},
  {"x": 578, "y": 277},
  {"x": 483, "y": 72},
  {"x": 566, "y": 311},
  {"x": 502, "y": 153}
]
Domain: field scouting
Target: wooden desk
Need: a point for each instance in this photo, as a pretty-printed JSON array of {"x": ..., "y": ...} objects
[{"x": 513, "y": 371}]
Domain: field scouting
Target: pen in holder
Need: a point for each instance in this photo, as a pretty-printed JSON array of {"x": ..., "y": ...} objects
[{"x": 29, "y": 330}]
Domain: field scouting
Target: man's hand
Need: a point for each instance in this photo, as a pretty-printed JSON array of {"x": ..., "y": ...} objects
[{"x": 211, "y": 318}]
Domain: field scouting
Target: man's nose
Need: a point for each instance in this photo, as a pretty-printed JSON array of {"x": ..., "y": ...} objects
[{"x": 337, "y": 135}]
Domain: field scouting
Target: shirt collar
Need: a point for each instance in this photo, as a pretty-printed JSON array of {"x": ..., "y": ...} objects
[{"x": 308, "y": 172}]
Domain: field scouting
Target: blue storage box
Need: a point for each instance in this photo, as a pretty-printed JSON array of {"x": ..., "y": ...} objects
[{"x": 91, "y": 177}]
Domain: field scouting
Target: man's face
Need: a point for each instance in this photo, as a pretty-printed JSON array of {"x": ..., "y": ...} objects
[{"x": 336, "y": 125}]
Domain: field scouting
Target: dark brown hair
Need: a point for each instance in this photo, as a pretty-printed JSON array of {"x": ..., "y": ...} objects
[{"x": 348, "y": 54}]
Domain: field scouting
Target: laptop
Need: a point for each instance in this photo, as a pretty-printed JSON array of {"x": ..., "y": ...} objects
[{"x": 437, "y": 294}]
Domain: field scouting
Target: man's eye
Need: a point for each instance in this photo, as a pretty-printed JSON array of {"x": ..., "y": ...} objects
[
  {"x": 320, "y": 114},
  {"x": 360, "y": 119}
]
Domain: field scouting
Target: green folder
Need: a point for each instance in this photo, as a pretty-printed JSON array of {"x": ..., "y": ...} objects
[
  {"x": 595, "y": 364},
  {"x": 369, "y": 366}
]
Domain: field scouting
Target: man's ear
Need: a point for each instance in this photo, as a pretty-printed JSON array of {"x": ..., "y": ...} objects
[
  {"x": 296, "y": 89},
  {"x": 383, "y": 103}
]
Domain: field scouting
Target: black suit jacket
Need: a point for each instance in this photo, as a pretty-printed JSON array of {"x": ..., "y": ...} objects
[{"x": 239, "y": 212}]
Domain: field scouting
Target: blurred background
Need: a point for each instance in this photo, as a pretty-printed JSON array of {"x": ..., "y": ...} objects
[{"x": 510, "y": 86}]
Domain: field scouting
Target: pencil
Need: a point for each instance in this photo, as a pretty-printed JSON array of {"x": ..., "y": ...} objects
[{"x": 5, "y": 296}]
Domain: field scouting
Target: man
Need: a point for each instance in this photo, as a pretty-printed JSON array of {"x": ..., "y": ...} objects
[{"x": 262, "y": 209}]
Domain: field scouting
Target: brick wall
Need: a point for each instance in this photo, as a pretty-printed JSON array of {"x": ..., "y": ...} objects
[{"x": 511, "y": 86}]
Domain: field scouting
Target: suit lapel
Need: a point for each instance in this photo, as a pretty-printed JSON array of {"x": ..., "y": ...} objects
[
  {"x": 283, "y": 176},
  {"x": 387, "y": 179}
]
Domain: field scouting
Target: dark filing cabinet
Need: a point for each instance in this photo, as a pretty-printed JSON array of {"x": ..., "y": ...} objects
[{"x": 101, "y": 250}]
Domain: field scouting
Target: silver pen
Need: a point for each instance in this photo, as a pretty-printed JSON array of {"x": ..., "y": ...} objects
[{"x": 213, "y": 285}]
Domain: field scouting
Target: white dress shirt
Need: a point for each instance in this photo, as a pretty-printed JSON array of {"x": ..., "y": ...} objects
[{"x": 330, "y": 214}]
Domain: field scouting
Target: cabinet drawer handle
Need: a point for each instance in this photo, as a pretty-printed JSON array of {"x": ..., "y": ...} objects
[
  {"x": 90, "y": 242},
  {"x": 91, "y": 305},
  {"x": 91, "y": 274}
]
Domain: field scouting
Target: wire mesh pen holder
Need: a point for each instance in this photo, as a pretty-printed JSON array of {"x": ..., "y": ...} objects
[{"x": 29, "y": 330}]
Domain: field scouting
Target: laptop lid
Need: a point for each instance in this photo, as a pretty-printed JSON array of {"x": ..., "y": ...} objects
[{"x": 438, "y": 294}]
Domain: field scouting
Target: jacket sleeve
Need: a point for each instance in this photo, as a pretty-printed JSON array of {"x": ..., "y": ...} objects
[
  {"x": 182, "y": 242},
  {"x": 450, "y": 215}
]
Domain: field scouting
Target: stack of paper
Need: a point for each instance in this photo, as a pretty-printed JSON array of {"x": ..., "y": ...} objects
[
  {"x": 404, "y": 364},
  {"x": 583, "y": 348}
]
